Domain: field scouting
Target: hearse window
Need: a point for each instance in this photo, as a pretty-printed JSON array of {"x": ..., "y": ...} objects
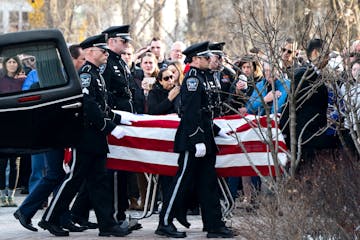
[{"x": 40, "y": 68}]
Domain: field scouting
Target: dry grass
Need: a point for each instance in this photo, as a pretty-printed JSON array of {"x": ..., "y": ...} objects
[{"x": 322, "y": 203}]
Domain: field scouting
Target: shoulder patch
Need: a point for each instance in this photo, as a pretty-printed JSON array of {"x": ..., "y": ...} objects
[
  {"x": 192, "y": 84},
  {"x": 85, "y": 79}
]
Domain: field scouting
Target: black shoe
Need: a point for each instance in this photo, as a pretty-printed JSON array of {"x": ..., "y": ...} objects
[
  {"x": 84, "y": 222},
  {"x": 132, "y": 225},
  {"x": 169, "y": 231},
  {"x": 24, "y": 191},
  {"x": 73, "y": 228},
  {"x": 115, "y": 231},
  {"x": 222, "y": 232},
  {"x": 25, "y": 222},
  {"x": 53, "y": 229},
  {"x": 87, "y": 224}
]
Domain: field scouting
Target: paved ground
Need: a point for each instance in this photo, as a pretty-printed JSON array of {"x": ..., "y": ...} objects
[{"x": 10, "y": 228}]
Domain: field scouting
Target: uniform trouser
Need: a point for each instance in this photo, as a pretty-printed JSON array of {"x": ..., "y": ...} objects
[
  {"x": 89, "y": 167},
  {"x": 47, "y": 184},
  {"x": 200, "y": 171},
  {"x": 118, "y": 182},
  {"x": 82, "y": 205},
  {"x": 13, "y": 174}
]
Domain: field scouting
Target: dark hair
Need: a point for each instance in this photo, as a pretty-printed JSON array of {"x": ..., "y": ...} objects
[
  {"x": 356, "y": 61},
  {"x": 188, "y": 59},
  {"x": 17, "y": 59},
  {"x": 290, "y": 40},
  {"x": 313, "y": 44},
  {"x": 74, "y": 50},
  {"x": 247, "y": 58},
  {"x": 155, "y": 39},
  {"x": 160, "y": 74}
]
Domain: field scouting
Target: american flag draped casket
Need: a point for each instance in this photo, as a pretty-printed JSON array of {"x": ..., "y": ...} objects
[{"x": 148, "y": 146}]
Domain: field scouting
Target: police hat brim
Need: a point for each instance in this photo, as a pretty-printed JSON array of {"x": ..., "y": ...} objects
[
  {"x": 126, "y": 38},
  {"x": 217, "y": 52},
  {"x": 206, "y": 53},
  {"x": 102, "y": 46}
]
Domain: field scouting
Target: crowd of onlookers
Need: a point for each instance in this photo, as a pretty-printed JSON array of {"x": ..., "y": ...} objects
[{"x": 251, "y": 84}]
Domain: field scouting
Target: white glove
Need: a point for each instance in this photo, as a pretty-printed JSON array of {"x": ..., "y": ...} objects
[
  {"x": 118, "y": 132},
  {"x": 224, "y": 133},
  {"x": 127, "y": 118},
  {"x": 200, "y": 150}
]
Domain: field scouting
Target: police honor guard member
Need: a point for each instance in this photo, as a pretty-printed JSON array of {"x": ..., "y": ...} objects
[
  {"x": 117, "y": 74},
  {"x": 90, "y": 153},
  {"x": 195, "y": 142},
  {"x": 223, "y": 75}
]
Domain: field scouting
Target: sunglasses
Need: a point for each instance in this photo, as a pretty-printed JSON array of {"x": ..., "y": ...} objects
[
  {"x": 287, "y": 50},
  {"x": 352, "y": 54},
  {"x": 167, "y": 78}
]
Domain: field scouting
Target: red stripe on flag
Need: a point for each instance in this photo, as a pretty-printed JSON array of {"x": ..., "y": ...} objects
[
  {"x": 143, "y": 143},
  {"x": 127, "y": 165},
  {"x": 256, "y": 123},
  {"x": 157, "y": 124}
]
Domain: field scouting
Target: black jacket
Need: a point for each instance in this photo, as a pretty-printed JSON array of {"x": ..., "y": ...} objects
[
  {"x": 315, "y": 103},
  {"x": 139, "y": 99},
  {"x": 158, "y": 102},
  {"x": 196, "y": 125},
  {"x": 99, "y": 120}
]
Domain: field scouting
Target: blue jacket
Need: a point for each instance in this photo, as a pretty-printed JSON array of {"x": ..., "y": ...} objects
[
  {"x": 255, "y": 105},
  {"x": 31, "y": 78}
]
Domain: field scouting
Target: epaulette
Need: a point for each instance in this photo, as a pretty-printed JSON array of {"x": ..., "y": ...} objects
[{"x": 192, "y": 72}]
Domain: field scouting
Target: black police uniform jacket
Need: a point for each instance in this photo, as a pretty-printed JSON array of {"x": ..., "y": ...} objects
[
  {"x": 99, "y": 120},
  {"x": 214, "y": 95},
  {"x": 196, "y": 124},
  {"x": 118, "y": 76}
]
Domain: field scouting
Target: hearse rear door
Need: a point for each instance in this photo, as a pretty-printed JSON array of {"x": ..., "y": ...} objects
[{"x": 47, "y": 112}]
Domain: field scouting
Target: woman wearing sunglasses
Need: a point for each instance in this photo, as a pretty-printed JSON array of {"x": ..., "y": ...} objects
[{"x": 161, "y": 97}]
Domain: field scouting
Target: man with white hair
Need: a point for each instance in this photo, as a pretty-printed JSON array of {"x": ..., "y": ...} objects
[{"x": 176, "y": 51}]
